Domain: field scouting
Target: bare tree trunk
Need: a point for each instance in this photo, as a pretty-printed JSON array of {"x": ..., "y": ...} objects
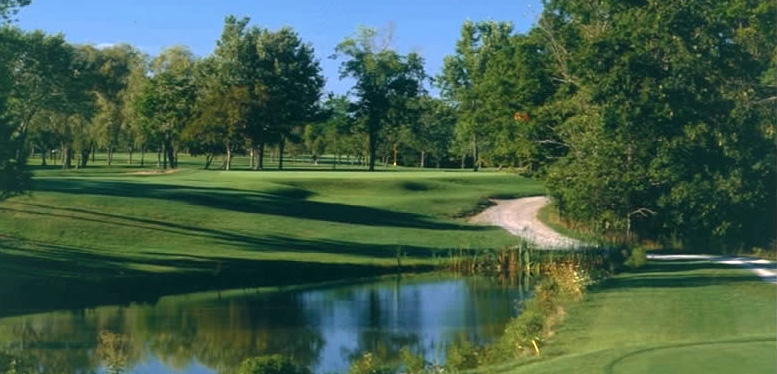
[
  {"x": 438, "y": 162},
  {"x": 373, "y": 146},
  {"x": 423, "y": 159},
  {"x": 94, "y": 152},
  {"x": 67, "y": 154},
  {"x": 475, "y": 155},
  {"x": 110, "y": 156},
  {"x": 208, "y": 160},
  {"x": 260, "y": 164},
  {"x": 84, "y": 159},
  {"x": 228, "y": 161},
  {"x": 62, "y": 156},
  {"x": 463, "y": 160},
  {"x": 281, "y": 146},
  {"x": 164, "y": 155},
  {"x": 396, "y": 152},
  {"x": 171, "y": 156},
  {"x": 142, "y": 155},
  {"x": 253, "y": 160},
  {"x": 43, "y": 157},
  {"x": 130, "y": 150},
  {"x": 775, "y": 146}
]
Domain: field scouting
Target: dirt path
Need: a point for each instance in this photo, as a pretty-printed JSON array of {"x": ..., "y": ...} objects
[{"x": 519, "y": 217}]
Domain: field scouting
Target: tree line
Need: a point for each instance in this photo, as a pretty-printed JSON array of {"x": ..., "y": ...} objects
[
  {"x": 652, "y": 118},
  {"x": 260, "y": 88}
]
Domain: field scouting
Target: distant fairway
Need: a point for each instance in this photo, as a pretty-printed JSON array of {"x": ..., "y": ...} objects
[{"x": 194, "y": 228}]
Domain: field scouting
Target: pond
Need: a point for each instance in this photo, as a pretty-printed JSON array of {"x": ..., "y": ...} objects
[{"x": 323, "y": 327}]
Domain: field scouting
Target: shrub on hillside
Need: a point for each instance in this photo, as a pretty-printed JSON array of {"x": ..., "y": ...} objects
[
  {"x": 637, "y": 258},
  {"x": 413, "y": 363},
  {"x": 462, "y": 356},
  {"x": 368, "y": 364}
]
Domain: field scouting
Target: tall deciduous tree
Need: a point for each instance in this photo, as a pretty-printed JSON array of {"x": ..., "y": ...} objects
[
  {"x": 137, "y": 127},
  {"x": 474, "y": 76},
  {"x": 386, "y": 82},
  {"x": 434, "y": 131},
  {"x": 292, "y": 82},
  {"x": 221, "y": 114},
  {"x": 168, "y": 98},
  {"x": 14, "y": 177},
  {"x": 236, "y": 64},
  {"x": 113, "y": 67}
]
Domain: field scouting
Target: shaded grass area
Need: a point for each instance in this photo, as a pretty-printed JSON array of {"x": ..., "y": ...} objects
[
  {"x": 103, "y": 235},
  {"x": 669, "y": 317}
]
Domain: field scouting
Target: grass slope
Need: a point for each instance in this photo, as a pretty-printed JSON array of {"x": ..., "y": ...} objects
[
  {"x": 104, "y": 228},
  {"x": 670, "y": 317}
]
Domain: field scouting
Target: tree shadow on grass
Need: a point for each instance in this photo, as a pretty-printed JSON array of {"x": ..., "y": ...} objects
[
  {"x": 676, "y": 274},
  {"x": 37, "y": 276},
  {"x": 291, "y": 202},
  {"x": 679, "y": 281},
  {"x": 237, "y": 240},
  {"x": 675, "y": 266}
]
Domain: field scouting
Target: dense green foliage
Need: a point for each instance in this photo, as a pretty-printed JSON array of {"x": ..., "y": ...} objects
[
  {"x": 649, "y": 118},
  {"x": 663, "y": 131},
  {"x": 385, "y": 82}
]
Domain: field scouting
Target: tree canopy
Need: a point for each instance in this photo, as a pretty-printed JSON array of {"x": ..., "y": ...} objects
[{"x": 386, "y": 82}]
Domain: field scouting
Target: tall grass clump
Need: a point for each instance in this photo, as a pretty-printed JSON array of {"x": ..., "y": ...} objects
[
  {"x": 10, "y": 364},
  {"x": 507, "y": 261},
  {"x": 564, "y": 279},
  {"x": 411, "y": 362}
]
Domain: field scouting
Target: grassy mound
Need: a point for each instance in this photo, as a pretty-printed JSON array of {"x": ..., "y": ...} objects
[{"x": 123, "y": 229}]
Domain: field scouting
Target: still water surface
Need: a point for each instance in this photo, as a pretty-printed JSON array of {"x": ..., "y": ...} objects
[{"x": 323, "y": 327}]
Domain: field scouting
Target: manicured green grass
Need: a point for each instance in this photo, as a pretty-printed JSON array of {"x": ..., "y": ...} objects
[
  {"x": 102, "y": 224},
  {"x": 670, "y": 317}
]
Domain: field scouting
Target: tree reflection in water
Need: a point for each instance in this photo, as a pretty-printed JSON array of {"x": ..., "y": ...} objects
[{"x": 323, "y": 328}]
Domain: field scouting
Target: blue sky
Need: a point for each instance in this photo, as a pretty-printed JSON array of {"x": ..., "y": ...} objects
[{"x": 429, "y": 27}]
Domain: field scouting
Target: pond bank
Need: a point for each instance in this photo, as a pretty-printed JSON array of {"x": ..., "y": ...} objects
[{"x": 22, "y": 295}]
